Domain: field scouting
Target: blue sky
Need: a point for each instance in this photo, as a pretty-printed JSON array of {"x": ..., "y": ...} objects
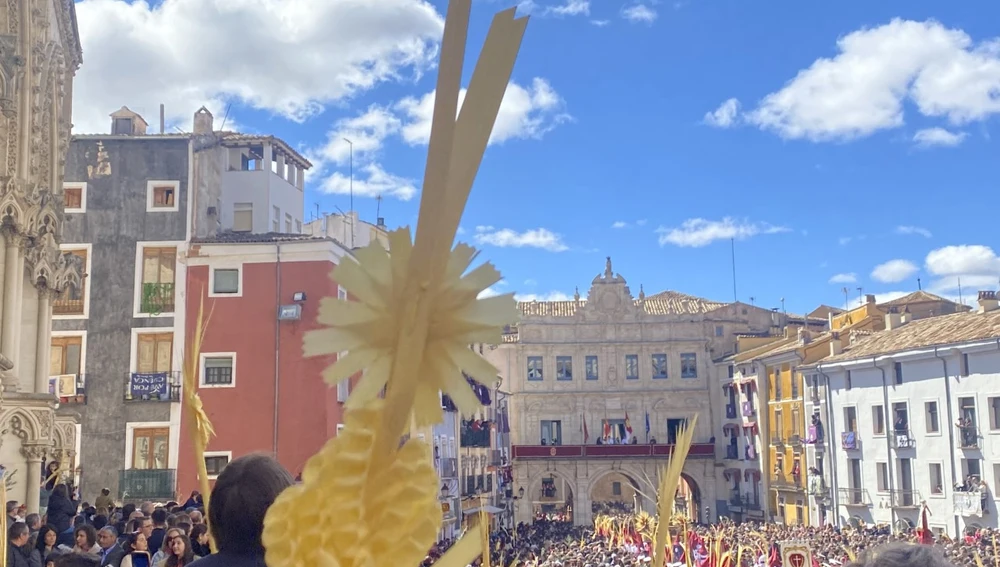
[{"x": 842, "y": 141}]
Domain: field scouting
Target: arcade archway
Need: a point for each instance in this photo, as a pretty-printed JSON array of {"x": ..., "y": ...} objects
[
  {"x": 615, "y": 493},
  {"x": 687, "y": 500},
  {"x": 551, "y": 499}
]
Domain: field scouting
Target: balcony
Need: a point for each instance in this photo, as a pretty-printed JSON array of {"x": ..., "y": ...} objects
[
  {"x": 157, "y": 298},
  {"x": 698, "y": 451},
  {"x": 732, "y": 452},
  {"x": 968, "y": 437},
  {"x": 854, "y": 497},
  {"x": 905, "y": 499},
  {"x": 795, "y": 440},
  {"x": 748, "y": 409},
  {"x": 147, "y": 484},
  {"x": 735, "y": 498},
  {"x": 849, "y": 441},
  {"x": 67, "y": 306},
  {"x": 153, "y": 386},
  {"x": 69, "y": 388},
  {"x": 730, "y": 411},
  {"x": 472, "y": 437},
  {"x": 448, "y": 467},
  {"x": 777, "y": 440},
  {"x": 903, "y": 440},
  {"x": 972, "y": 503}
]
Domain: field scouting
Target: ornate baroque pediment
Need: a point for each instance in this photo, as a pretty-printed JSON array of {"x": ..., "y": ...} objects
[{"x": 609, "y": 297}]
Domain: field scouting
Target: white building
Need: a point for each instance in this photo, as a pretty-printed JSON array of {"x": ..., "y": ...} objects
[{"x": 913, "y": 415}]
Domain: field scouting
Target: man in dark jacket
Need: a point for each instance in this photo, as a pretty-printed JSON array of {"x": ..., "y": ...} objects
[
  {"x": 18, "y": 552},
  {"x": 111, "y": 553}
]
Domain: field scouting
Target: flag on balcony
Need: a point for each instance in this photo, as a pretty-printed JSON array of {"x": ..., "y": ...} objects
[
  {"x": 607, "y": 430},
  {"x": 628, "y": 430},
  {"x": 583, "y": 428},
  {"x": 926, "y": 536},
  {"x": 647, "y": 425}
]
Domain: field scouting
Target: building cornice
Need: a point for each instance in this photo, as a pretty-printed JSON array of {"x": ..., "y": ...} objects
[
  {"x": 205, "y": 254},
  {"x": 911, "y": 355}
]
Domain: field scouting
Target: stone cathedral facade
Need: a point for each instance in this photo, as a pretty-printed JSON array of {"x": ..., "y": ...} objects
[{"x": 39, "y": 55}]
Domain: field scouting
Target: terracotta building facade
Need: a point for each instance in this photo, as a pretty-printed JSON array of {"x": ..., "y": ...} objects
[{"x": 261, "y": 394}]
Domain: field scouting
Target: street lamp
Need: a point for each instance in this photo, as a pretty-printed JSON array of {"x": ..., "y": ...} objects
[{"x": 520, "y": 492}]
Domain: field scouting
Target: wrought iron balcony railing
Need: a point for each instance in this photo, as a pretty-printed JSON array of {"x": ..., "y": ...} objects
[
  {"x": 905, "y": 498},
  {"x": 968, "y": 437},
  {"x": 854, "y": 497},
  {"x": 147, "y": 484},
  {"x": 157, "y": 298},
  {"x": 903, "y": 439}
]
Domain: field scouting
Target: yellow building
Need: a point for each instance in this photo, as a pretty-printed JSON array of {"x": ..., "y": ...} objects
[{"x": 787, "y": 469}]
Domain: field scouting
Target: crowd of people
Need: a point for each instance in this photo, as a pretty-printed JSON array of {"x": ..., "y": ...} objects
[
  {"x": 73, "y": 534},
  {"x": 561, "y": 544}
]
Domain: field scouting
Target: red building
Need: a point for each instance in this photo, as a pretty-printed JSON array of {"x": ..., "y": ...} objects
[{"x": 260, "y": 392}]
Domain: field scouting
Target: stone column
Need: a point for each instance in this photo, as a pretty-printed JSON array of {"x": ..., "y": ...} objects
[
  {"x": 268, "y": 160},
  {"x": 43, "y": 334},
  {"x": 282, "y": 172},
  {"x": 11, "y": 288},
  {"x": 34, "y": 454}
]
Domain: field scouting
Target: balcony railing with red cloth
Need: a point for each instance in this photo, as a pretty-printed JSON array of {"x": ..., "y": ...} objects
[{"x": 698, "y": 451}]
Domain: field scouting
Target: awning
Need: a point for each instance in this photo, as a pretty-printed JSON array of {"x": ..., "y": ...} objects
[
  {"x": 489, "y": 510},
  {"x": 751, "y": 473},
  {"x": 730, "y": 427},
  {"x": 729, "y": 474},
  {"x": 751, "y": 428}
]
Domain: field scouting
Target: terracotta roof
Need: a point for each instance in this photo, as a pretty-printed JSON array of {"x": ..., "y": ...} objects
[
  {"x": 920, "y": 297},
  {"x": 663, "y": 303},
  {"x": 933, "y": 331},
  {"x": 756, "y": 352},
  {"x": 823, "y": 311}
]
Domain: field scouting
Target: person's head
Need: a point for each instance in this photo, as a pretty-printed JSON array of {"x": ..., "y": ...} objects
[
  {"x": 85, "y": 537},
  {"x": 100, "y": 521},
  {"x": 147, "y": 508},
  {"x": 79, "y": 520},
  {"x": 47, "y": 537},
  {"x": 106, "y": 491},
  {"x": 34, "y": 521},
  {"x": 146, "y": 526},
  {"x": 180, "y": 547},
  {"x": 128, "y": 510},
  {"x": 196, "y": 517},
  {"x": 136, "y": 542},
  {"x": 12, "y": 507},
  {"x": 172, "y": 521},
  {"x": 901, "y": 555},
  {"x": 199, "y": 534},
  {"x": 160, "y": 517},
  {"x": 184, "y": 527},
  {"x": 168, "y": 537},
  {"x": 107, "y": 537},
  {"x": 61, "y": 490},
  {"x": 75, "y": 560},
  {"x": 18, "y": 534},
  {"x": 242, "y": 494}
]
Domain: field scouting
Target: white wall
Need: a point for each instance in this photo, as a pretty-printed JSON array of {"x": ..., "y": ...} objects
[{"x": 923, "y": 381}]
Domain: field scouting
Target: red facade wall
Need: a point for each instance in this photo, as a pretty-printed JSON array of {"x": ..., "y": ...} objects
[{"x": 244, "y": 416}]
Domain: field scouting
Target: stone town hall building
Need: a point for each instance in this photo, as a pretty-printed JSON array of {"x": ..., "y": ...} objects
[{"x": 577, "y": 369}]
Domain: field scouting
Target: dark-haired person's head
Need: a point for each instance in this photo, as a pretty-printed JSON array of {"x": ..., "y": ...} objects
[
  {"x": 901, "y": 555},
  {"x": 99, "y": 521},
  {"x": 242, "y": 494},
  {"x": 18, "y": 534},
  {"x": 47, "y": 537},
  {"x": 61, "y": 490},
  {"x": 76, "y": 560},
  {"x": 85, "y": 537},
  {"x": 160, "y": 517}
]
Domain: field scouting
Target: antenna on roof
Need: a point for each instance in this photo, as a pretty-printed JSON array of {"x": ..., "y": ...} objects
[
  {"x": 847, "y": 306},
  {"x": 732, "y": 243},
  {"x": 752, "y": 299},
  {"x": 918, "y": 285},
  {"x": 378, "y": 205},
  {"x": 222, "y": 126},
  {"x": 861, "y": 296},
  {"x": 960, "y": 291},
  {"x": 317, "y": 210}
]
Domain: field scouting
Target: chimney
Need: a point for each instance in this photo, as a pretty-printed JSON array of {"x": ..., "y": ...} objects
[
  {"x": 988, "y": 301},
  {"x": 163, "y": 119},
  {"x": 869, "y": 298},
  {"x": 893, "y": 319},
  {"x": 380, "y": 222},
  {"x": 203, "y": 121},
  {"x": 804, "y": 337},
  {"x": 835, "y": 346}
]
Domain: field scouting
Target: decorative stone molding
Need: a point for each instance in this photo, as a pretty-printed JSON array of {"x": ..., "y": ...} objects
[{"x": 35, "y": 452}]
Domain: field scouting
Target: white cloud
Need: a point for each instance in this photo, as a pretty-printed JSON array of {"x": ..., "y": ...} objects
[
  {"x": 530, "y": 282},
  {"x": 977, "y": 266},
  {"x": 862, "y": 89},
  {"x": 844, "y": 278},
  {"x": 724, "y": 116},
  {"x": 507, "y": 238},
  {"x": 639, "y": 13},
  {"x": 699, "y": 232},
  {"x": 894, "y": 271},
  {"x": 185, "y": 53},
  {"x": 845, "y": 240},
  {"x": 619, "y": 224},
  {"x": 913, "y": 230},
  {"x": 600, "y": 23},
  {"x": 370, "y": 180},
  {"x": 571, "y": 8},
  {"x": 550, "y": 296},
  {"x": 887, "y": 296},
  {"x": 525, "y": 113},
  {"x": 931, "y": 137}
]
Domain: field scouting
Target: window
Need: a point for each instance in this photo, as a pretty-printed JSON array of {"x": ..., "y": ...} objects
[
  {"x": 121, "y": 127},
  {"x": 994, "y": 404},
  {"x": 73, "y": 299},
  {"x": 591, "y": 367},
  {"x": 851, "y": 419},
  {"x": 150, "y": 448},
  {"x": 795, "y": 377},
  {"x": 799, "y": 512},
  {"x": 288, "y": 223},
  {"x": 158, "y": 267},
  {"x": 551, "y": 432},
  {"x": 344, "y": 386},
  {"x": 226, "y": 281},
  {"x": 659, "y": 366},
  {"x": 882, "y": 474},
  {"x": 616, "y": 488},
  {"x": 276, "y": 220},
  {"x": 243, "y": 217},
  {"x": 878, "y": 420},
  {"x": 796, "y": 419},
  {"x": 964, "y": 364},
  {"x": 970, "y": 467},
  {"x": 154, "y": 353},
  {"x": 75, "y": 197},
  {"x": 298, "y": 227},
  {"x": 847, "y": 381},
  {"x": 340, "y": 427},
  {"x": 218, "y": 370},
  {"x": 719, "y": 331},
  {"x": 732, "y": 371},
  {"x": 161, "y": 196},
  {"x": 631, "y": 366},
  {"x": 534, "y": 368},
  {"x": 897, "y": 372},
  {"x": 936, "y": 478},
  {"x": 931, "y": 417},
  {"x": 215, "y": 462},
  {"x": 341, "y": 293},
  {"x": 564, "y": 368},
  {"x": 689, "y": 365},
  {"x": 779, "y": 424},
  {"x": 64, "y": 355}
]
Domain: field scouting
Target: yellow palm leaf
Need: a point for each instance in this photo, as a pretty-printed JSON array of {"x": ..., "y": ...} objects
[{"x": 670, "y": 478}]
